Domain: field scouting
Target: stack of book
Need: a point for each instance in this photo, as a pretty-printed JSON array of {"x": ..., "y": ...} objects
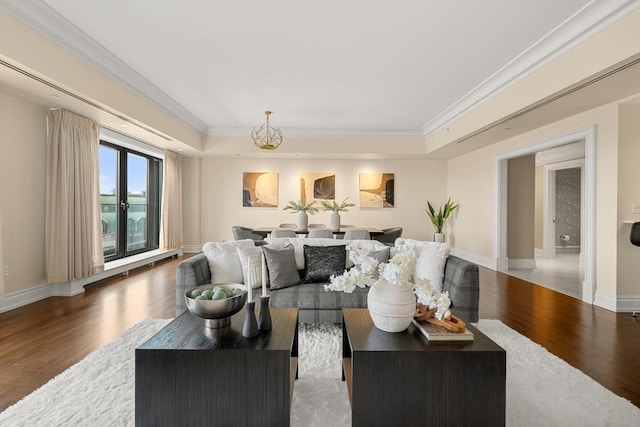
[{"x": 440, "y": 333}]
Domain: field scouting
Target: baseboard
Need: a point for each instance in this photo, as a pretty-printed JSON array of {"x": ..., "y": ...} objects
[
  {"x": 606, "y": 301},
  {"x": 25, "y": 296},
  {"x": 192, "y": 249},
  {"x": 538, "y": 253},
  {"x": 76, "y": 287},
  {"x": 487, "y": 262},
  {"x": 628, "y": 303},
  {"x": 525, "y": 263}
]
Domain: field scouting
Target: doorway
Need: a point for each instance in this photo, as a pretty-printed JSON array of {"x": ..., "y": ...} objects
[{"x": 586, "y": 267}]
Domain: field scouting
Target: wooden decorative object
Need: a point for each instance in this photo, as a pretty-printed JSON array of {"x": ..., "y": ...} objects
[{"x": 452, "y": 323}]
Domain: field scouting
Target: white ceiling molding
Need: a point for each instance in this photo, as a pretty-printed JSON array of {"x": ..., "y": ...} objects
[
  {"x": 322, "y": 133},
  {"x": 47, "y": 21},
  {"x": 588, "y": 21}
]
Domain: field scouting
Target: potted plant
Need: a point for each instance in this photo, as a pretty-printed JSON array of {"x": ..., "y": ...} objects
[
  {"x": 303, "y": 209},
  {"x": 438, "y": 218},
  {"x": 336, "y": 208}
]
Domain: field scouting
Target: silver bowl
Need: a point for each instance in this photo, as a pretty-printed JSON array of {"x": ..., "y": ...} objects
[{"x": 217, "y": 313}]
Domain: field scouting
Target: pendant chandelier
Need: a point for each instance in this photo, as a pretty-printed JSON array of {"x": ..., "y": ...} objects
[{"x": 266, "y": 137}]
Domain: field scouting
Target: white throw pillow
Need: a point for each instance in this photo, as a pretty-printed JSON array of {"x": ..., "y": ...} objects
[
  {"x": 430, "y": 261},
  {"x": 224, "y": 262},
  {"x": 251, "y": 259}
]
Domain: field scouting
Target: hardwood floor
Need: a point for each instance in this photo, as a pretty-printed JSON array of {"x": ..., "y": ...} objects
[{"x": 39, "y": 341}]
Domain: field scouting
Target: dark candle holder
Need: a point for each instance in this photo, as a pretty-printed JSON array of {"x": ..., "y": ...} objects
[
  {"x": 264, "y": 319},
  {"x": 250, "y": 327}
]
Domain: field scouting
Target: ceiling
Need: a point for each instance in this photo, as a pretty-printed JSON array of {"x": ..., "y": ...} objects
[{"x": 362, "y": 67}]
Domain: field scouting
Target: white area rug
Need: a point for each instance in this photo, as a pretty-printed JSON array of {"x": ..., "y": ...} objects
[{"x": 542, "y": 390}]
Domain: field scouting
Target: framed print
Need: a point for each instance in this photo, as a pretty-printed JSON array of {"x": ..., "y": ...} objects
[
  {"x": 260, "y": 189},
  {"x": 376, "y": 190},
  {"x": 317, "y": 186}
]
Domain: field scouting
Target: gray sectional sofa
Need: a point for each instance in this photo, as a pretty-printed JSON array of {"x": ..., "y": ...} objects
[{"x": 461, "y": 280}]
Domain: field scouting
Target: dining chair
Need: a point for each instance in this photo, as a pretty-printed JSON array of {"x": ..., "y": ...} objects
[
  {"x": 389, "y": 235},
  {"x": 310, "y": 226},
  {"x": 283, "y": 232},
  {"x": 320, "y": 233},
  {"x": 288, "y": 225},
  {"x": 347, "y": 226},
  {"x": 357, "y": 234},
  {"x": 241, "y": 233}
]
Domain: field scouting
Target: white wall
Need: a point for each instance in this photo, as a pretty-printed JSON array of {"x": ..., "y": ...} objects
[
  {"x": 23, "y": 132},
  {"x": 220, "y": 189}
]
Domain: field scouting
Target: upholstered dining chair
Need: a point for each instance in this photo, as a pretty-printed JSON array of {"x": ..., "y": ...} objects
[
  {"x": 389, "y": 235},
  {"x": 320, "y": 233},
  {"x": 310, "y": 226},
  {"x": 241, "y": 233},
  {"x": 357, "y": 233},
  {"x": 347, "y": 226},
  {"x": 635, "y": 234},
  {"x": 283, "y": 232},
  {"x": 288, "y": 225}
]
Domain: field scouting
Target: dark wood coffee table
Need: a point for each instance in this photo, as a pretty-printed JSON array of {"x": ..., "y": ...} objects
[
  {"x": 188, "y": 374},
  {"x": 403, "y": 379}
]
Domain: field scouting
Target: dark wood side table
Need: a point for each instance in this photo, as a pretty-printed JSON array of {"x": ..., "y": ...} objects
[
  {"x": 188, "y": 374},
  {"x": 403, "y": 379}
]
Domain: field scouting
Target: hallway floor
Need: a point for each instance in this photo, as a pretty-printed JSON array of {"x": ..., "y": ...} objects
[{"x": 562, "y": 274}]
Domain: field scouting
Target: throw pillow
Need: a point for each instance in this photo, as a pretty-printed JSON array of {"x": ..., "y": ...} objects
[
  {"x": 251, "y": 259},
  {"x": 322, "y": 262},
  {"x": 298, "y": 245},
  {"x": 431, "y": 258},
  {"x": 281, "y": 264},
  {"x": 224, "y": 262}
]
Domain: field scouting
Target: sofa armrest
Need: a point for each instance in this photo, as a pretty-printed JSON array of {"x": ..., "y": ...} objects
[
  {"x": 190, "y": 273},
  {"x": 461, "y": 279}
]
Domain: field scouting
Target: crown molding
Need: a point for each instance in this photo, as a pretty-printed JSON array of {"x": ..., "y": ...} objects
[
  {"x": 586, "y": 22},
  {"x": 44, "y": 19},
  {"x": 321, "y": 133}
]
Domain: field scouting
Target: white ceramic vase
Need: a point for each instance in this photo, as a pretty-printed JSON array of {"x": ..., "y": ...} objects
[
  {"x": 438, "y": 237},
  {"x": 391, "y": 306},
  {"x": 335, "y": 221},
  {"x": 303, "y": 220}
]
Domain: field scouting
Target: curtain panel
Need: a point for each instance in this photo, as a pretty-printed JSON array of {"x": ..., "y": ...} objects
[
  {"x": 73, "y": 231},
  {"x": 171, "y": 221}
]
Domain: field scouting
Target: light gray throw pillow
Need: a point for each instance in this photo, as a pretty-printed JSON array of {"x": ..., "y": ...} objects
[{"x": 281, "y": 264}]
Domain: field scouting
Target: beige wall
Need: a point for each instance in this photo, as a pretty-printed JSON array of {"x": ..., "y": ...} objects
[
  {"x": 628, "y": 192},
  {"x": 521, "y": 207},
  {"x": 22, "y": 191},
  {"x": 416, "y": 181},
  {"x": 471, "y": 179}
]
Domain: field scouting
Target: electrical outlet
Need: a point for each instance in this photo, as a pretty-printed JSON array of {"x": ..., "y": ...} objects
[
  {"x": 5, "y": 270},
  {"x": 635, "y": 207}
]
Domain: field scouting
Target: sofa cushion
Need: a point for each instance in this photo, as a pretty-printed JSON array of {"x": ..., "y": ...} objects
[
  {"x": 281, "y": 265},
  {"x": 322, "y": 262},
  {"x": 298, "y": 245},
  {"x": 430, "y": 261},
  {"x": 251, "y": 258},
  {"x": 224, "y": 262}
]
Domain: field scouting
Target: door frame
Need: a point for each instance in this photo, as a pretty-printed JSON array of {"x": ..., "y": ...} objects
[{"x": 588, "y": 232}]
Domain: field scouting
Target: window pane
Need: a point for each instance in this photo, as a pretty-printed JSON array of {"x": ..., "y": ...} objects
[
  {"x": 137, "y": 173},
  {"x": 109, "y": 199}
]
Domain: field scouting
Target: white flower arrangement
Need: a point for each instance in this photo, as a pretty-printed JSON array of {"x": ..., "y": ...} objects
[{"x": 398, "y": 271}]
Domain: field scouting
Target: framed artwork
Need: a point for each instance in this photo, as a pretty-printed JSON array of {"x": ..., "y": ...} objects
[
  {"x": 260, "y": 189},
  {"x": 317, "y": 186},
  {"x": 376, "y": 190}
]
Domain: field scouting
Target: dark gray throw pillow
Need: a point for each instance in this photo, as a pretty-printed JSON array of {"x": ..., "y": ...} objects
[
  {"x": 281, "y": 264},
  {"x": 322, "y": 262}
]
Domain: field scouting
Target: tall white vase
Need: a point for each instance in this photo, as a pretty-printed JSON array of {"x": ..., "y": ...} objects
[
  {"x": 303, "y": 220},
  {"x": 438, "y": 237},
  {"x": 391, "y": 306},
  {"x": 335, "y": 221}
]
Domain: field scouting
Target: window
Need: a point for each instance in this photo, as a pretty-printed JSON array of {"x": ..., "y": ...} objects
[{"x": 130, "y": 188}]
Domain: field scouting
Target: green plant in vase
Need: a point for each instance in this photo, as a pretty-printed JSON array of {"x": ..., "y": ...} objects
[
  {"x": 438, "y": 218},
  {"x": 303, "y": 209},
  {"x": 336, "y": 208}
]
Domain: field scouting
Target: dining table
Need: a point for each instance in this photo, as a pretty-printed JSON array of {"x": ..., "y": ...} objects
[{"x": 265, "y": 231}]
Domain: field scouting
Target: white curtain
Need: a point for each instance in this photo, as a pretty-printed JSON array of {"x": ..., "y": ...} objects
[
  {"x": 73, "y": 232},
  {"x": 171, "y": 217}
]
